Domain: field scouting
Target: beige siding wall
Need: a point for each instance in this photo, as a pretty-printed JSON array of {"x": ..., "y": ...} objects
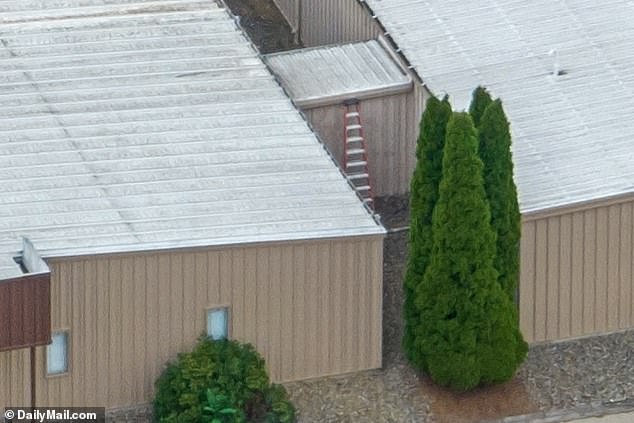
[
  {"x": 391, "y": 128},
  {"x": 311, "y": 309},
  {"x": 321, "y": 22},
  {"x": 576, "y": 272},
  {"x": 290, "y": 10}
]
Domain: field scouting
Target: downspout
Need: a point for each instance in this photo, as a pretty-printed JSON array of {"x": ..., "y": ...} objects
[{"x": 300, "y": 12}]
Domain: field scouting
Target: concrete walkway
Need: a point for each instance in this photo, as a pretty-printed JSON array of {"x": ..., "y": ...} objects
[{"x": 614, "y": 418}]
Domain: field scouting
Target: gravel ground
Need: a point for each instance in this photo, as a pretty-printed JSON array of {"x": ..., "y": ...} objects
[
  {"x": 576, "y": 373},
  {"x": 264, "y": 23}
]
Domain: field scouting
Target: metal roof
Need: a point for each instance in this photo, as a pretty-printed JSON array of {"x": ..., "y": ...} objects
[
  {"x": 131, "y": 125},
  {"x": 573, "y": 133},
  {"x": 326, "y": 74}
]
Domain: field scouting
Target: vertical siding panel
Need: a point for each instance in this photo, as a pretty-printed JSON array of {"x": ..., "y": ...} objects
[
  {"x": 541, "y": 277},
  {"x": 527, "y": 281},
  {"x": 103, "y": 326},
  {"x": 262, "y": 321},
  {"x": 325, "y": 308},
  {"x": 565, "y": 268},
  {"x": 274, "y": 298},
  {"x": 250, "y": 296},
  {"x": 90, "y": 281},
  {"x": 312, "y": 315},
  {"x": 220, "y": 273},
  {"x": 577, "y": 302},
  {"x": 349, "y": 307},
  {"x": 337, "y": 349},
  {"x": 238, "y": 275},
  {"x": 601, "y": 284},
  {"x": 79, "y": 315},
  {"x": 153, "y": 312},
  {"x": 165, "y": 311},
  {"x": 140, "y": 329},
  {"x": 127, "y": 340},
  {"x": 613, "y": 286},
  {"x": 363, "y": 317},
  {"x": 299, "y": 329},
  {"x": 176, "y": 304},
  {"x": 589, "y": 258},
  {"x": 625, "y": 267},
  {"x": 221, "y": 266},
  {"x": 376, "y": 304},
  {"x": 116, "y": 331},
  {"x": 553, "y": 301},
  {"x": 204, "y": 276},
  {"x": 287, "y": 281},
  {"x": 191, "y": 316}
]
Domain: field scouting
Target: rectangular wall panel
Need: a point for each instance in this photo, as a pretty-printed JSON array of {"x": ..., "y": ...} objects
[
  {"x": 576, "y": 272},
  {"x": 322, "y": 22},
  {"x": 311, "y": 309}
]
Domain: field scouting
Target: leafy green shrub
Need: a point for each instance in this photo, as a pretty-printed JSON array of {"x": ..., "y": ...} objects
[{"x": 220, "y": 382}]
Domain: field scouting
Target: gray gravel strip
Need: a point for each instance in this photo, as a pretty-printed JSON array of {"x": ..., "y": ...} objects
[{"x": 575, "y": 373}]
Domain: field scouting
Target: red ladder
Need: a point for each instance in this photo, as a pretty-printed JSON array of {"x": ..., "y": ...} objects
[{"x": 355, "y": 156}]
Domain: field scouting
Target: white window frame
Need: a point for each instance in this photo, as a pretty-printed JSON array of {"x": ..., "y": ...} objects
[
  {"x": 66, "y": 334},
  {"x": 227, "y": 311}
]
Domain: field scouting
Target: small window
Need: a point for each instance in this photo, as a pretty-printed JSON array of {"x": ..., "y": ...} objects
[
  {"x": 57, "y": 354},
  {"x": 217, "y": 323}
]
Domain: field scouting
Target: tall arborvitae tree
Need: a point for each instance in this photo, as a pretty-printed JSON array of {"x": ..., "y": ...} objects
[
  {"x": 467, "y": 333},
  {"x": 479, "y": 102},
  {"x": 495, "y": 152},
  {"x": 423, "y": 197}
]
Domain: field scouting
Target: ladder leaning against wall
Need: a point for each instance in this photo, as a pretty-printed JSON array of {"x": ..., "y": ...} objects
[{"x": 355, "y": 152}]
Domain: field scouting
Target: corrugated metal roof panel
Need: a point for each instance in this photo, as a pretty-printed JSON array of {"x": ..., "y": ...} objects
[
  {"x": 334, "y": 71},
  {"x": 155, "y": 129},
  {"x": 573, "y": 136}
]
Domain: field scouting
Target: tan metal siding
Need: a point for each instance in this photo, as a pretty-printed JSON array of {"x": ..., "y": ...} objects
[
  {"x": 329, "y": 21},
  {"x": 290, "y": 10},
  {"x": 311, "y": 309},
  {"x": 576, "y": 272},
  {"x": 391, "y": 128}
]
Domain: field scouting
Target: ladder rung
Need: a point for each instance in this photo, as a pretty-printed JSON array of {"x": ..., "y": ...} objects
[
  {"x": 354, "y": 139},
  {"x": 354, "y": 151},
  {"x": 352, "y": 114},
  {"x": 359, "y": 176},
  {"x": 368, "y": 200},
  {"x": 363, "y": 188},
  {"x": 356, "y": 164},
  {"x": 353, "y": 127}
]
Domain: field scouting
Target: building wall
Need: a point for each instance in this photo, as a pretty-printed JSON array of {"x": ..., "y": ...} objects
[
  {"x": 391, "y": 129},
  {"x": 321, "y": 22},
  {"x": 577, "y": 272},
  {"x": 311, "y": 309}
]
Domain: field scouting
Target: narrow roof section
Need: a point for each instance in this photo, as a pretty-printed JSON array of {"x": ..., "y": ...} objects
[
  {"x": 573, "y": 133},
  {"x": 329, "y": 74},
  {"x": 155, "y": 129}
]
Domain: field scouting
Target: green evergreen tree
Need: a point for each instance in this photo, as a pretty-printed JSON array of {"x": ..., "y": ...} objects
[
  {"x": 423, "y": 197},
  {"x": 467, "y": 333},
  {"x": 479, "y": 102},
  {"x": 495, "y": 151}
]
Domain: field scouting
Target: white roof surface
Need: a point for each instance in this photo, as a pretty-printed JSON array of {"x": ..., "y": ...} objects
[
  {"x": 142, "y": 125},
  {"x": 573, "y": 134},
  {"x": 364, "y": 68}
]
